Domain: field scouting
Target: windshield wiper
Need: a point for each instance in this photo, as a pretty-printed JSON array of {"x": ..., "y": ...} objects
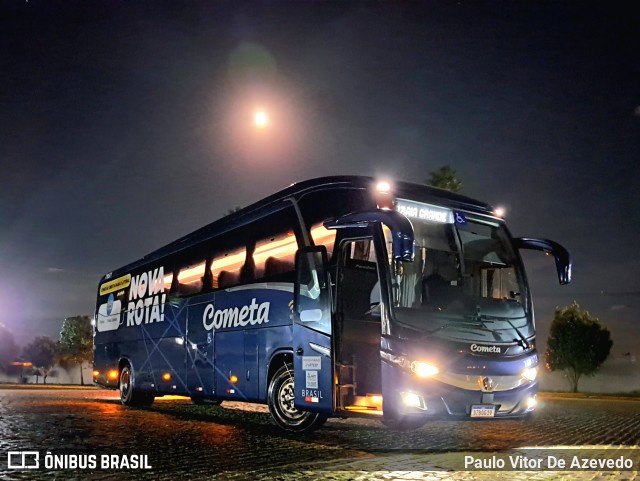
[
  {"x": 479, "y": 317},
  {"x": 462, "y": 324}
]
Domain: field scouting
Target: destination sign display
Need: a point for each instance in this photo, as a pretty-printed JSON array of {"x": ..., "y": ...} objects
[{"x": 424, "y": 212}]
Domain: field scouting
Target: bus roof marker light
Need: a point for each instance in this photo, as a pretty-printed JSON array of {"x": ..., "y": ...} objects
[
  {"x": 383, "y": 195},
  {"x": 383, "y": 187}
]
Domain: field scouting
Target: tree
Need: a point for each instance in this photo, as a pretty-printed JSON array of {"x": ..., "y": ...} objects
[
  {"x": 578, "y": 343},
  {"x": 445, "y": 178},
  {"x": 8, "y": 347},
  {"x": 76, "y": 342},
  {"x": 42, "y": 353}
]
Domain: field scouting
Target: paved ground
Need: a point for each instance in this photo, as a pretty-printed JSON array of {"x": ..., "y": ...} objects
[{"x": 239, "y": 441}]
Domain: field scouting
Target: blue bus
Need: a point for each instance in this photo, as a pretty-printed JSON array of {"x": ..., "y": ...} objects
[{"x": 338, "y": 296}]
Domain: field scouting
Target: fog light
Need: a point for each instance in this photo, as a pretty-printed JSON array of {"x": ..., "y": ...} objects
[
  {"x": 413, "y": 400},
  {"x": 113, "y": 374},
  {"x": 96, "y": 373},
  {"x": 423, "y": 369},
  {"x": 530, "y": 374},
  {"x": 532, "y": 402}
]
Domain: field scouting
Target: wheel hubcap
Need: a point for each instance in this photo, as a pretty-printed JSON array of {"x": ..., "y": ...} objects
[
  {"x": 125, "y": 384},
  {"x": 286, "y": 397}
]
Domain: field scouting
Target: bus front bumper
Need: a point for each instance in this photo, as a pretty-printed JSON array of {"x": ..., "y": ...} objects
[{"x": 404, "y": 394}]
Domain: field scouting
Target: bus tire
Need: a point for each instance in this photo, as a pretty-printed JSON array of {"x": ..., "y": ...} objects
[
  {"x": 128, "y": 395},
  {"x": 280, "y": 399}
]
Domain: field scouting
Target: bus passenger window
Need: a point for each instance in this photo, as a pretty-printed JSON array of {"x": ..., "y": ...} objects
[
  {"x": 226, "y": 268},
  {"x": 190, "y": 280},
  {"x": 275, "y": 255},
  {"x": 323, "y": 237}
]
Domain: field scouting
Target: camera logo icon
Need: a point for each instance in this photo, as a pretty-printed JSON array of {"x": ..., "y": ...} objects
[{"x": 23, "y": 460}]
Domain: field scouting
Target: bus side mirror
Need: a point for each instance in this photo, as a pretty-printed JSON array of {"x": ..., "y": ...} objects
[{"x": 549, "y": 247}]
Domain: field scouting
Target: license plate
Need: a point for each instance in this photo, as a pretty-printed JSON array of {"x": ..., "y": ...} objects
[{"x": 483, "y": 411}]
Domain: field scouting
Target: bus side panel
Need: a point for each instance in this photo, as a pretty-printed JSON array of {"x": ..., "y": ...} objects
[
  {"x": 161, "y": 352},
  {"x": 200, "y": 352},
  {"x": 252, "y": 379},
  {"x": 152, "y": 344},
  {"x": 271, "y": 342},
  {"x": 242, "y": 322}
]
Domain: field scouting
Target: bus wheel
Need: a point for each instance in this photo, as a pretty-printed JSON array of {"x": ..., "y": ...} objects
[
  {"x": 128, "y": 395},
  {"x": 283, "y": 411}
]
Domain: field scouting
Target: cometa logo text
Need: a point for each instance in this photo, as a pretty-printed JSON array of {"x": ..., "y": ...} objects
[
  {"x": 477, "y": 348},
  {"x": 252, "y": 314}
]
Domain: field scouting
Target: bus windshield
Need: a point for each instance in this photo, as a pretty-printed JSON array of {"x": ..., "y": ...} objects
[{"x": 466, "y": 282}]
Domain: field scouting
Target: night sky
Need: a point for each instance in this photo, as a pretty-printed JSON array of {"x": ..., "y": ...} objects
[{"x": 125, "y": 125}]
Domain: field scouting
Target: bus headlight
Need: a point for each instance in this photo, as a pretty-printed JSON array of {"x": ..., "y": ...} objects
[
  {"x": 424, "y": 369},
  {"x": 530, "y": 373},
  {"x": 419, "y": 368}
]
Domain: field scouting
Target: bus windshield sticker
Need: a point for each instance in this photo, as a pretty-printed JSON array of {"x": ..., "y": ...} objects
[
  {"x": 311, "y": 363},
  {"x": 460, "y": 218},
  {"x": 312, "y": 379},
  {"x": 116, "y": 284}
]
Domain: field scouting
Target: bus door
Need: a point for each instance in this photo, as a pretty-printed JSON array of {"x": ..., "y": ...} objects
[
  {"x": 361, "y": 349},
  {"x": 312, "y": 333},
  {"x": 358, "y": 317}
]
